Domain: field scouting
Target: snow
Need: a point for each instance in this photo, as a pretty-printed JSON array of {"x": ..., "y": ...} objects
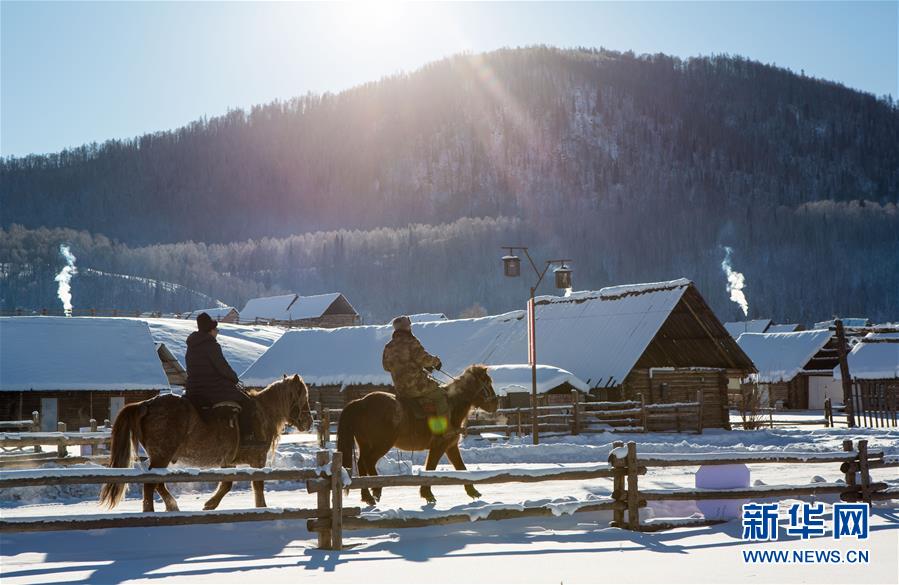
[
  {"x": 517, "y": 378},
  {"x": 785, "y": 328},
  {"x": 289, "y": 307},
  {"x": 737, "y": 328},
  {"x": 854, "y": 322},
  {"x": 876, "y": 357},
  {"x": 553, "y": 548},
  {"x": 241, "y": 344},
  {"x": 78, "y": 353},
  {"x": 216, "y": 313},
  {"x": 779, "y": 357},
  {"x": 425, "y": 317}
]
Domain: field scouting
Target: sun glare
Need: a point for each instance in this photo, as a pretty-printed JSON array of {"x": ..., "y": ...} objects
[{"x": 372, "y": 23}]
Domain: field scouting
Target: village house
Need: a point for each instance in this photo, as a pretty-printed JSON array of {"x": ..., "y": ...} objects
[
  {"x": 738, "y": 328},
  {"x": 73, "y": 369},
  {"x": 291, "y": 310},
  {"x": 795, "y": 370},
  {"x": 220, "y": 314}
]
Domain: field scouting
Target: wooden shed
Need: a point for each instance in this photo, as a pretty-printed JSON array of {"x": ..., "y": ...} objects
[
  {"x": 220, "y": 314},
  {"x": 795, "y": 370},
  {"x": 291, "y": 310},
  {"x": 72, "y": 369}
]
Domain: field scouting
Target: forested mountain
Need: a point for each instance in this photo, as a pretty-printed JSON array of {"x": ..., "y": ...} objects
[{"x": 639, "y": 168}]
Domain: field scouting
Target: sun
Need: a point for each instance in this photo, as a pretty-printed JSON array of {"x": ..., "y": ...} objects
[{"x": 372, "y": 23}]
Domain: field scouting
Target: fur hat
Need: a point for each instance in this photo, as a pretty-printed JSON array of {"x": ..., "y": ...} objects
[
  {"x": 205, "y": 323},
  {"x": 402, "y": 323}
]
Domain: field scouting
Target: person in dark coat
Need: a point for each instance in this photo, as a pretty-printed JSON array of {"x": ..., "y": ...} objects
[{"x": 210, "y": 379}]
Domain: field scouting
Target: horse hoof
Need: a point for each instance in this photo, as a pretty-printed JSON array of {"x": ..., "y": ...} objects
[
  {"x": 209, "y": 506},
  {"x": 472, "y": 493}
]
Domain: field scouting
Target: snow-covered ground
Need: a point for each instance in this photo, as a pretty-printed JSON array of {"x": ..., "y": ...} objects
[{"x": 579, "y": 548}]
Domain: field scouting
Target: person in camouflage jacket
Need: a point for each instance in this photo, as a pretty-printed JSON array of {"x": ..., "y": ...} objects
[{"x": 409, "y": 365}]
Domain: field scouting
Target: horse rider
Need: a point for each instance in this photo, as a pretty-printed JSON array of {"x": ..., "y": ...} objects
[
  {"x": 211, "y": 380},
  {"x": 409, "y": 366}
]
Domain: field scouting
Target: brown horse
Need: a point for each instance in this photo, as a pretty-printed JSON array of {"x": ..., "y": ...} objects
[
  {"x": 378, "y": 421},
  {"x": 171, "y": 430}
]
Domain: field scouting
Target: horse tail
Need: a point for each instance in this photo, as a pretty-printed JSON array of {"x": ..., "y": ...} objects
[
  {"x": 346, "y": 435},
  {"x": 125, "y": 434}
]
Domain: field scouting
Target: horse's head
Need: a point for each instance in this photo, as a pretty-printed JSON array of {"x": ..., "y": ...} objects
[
  {"x": 481, "y": 388},
  {"x": 299, "y": 415}
]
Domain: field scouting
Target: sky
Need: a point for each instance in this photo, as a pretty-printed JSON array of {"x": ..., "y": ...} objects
[{"x": 78, "y": 72}]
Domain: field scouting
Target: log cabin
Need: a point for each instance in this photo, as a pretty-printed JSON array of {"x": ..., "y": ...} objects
[{"x": 73, "y": 369}]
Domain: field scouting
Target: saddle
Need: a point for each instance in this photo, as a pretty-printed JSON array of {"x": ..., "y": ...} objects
[
  {"x": 225, "y": 411},
  {"x": 418, "y": 408}
]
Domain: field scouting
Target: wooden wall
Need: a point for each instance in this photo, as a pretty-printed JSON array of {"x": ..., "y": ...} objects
[
  {"x": 75, "y": 408},
  {"x": 794, "y": 393},
  {"x": 666, "y": 385}
]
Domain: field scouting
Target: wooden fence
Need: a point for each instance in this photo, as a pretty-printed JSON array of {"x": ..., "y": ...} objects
[
  {"x": 766, "y": 418},
  {"x": 624, "y": 468},
  {"x": 14, "y": 479},
  {"x": 875, "y": 403},
  {"x": 330, "y": 518},
  {"x": 629, "y": 466},
  {"x": 14, "y": 445}
]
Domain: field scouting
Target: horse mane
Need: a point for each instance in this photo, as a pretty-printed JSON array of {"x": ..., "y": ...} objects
[
  {"x": 464, "y": 382},
  {"x": 273, "y": 404}
]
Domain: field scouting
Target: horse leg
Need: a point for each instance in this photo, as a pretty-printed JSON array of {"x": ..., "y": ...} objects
[
  {"x": 149, "y": 488},
  {"x": 259, "y": 493},
  {"x": 372, "y": 462},
  {"x": 455, "y": 457},
  {"x": 171, "y": 505},
  {"x": 215, "y": 500},
  {"x": 364, "y": 470},
  {"x": 434, "y": 454}
]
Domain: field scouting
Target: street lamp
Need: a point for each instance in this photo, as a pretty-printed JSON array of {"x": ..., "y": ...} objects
[{"x": 562, "y": 273}]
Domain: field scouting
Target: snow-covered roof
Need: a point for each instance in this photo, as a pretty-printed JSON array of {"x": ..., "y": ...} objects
[
  {"x": 847, "y": 322},
  {"x": 783, "y": 328},
  {"x": 352, "y": 355},
  {"x": 216, "y": 313},
  {"x": 737, "y": 328},
  {"x": 597, "y": 336},
  {"x": 291, "y": 307},
  {"x": 241, "y": 344},
  {"x": 600, "y": 335},
  {"x": 425, "y": 317},
  {"x": 517, "y": 378},
  {"x": 779, "y": 357},
  {"x": 78, "y": 353},
  {"x": 875, "y": 358}
]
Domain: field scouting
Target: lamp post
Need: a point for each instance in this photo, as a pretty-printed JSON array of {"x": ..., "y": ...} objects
[{"x": 562, "y": 273}]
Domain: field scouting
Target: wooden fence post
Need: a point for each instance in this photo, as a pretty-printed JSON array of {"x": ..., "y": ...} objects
[
  {"x": 618, "y": 491},
  {"x": 700, "y": 396},
  {"x": 61, "y": 449},
  {"x": 518, "y": 415},
  {"x": 633, "y": 504},
  {"x": 845, "y": 377},
  {"x": 93, "y": 424},
  {"x": 324, "y": 502},
  {"x": 828, "y": 412},
  {"x": 644, "y": 419},
  {"x": 850, "y": 475},
  {"x": 106, "y": 423},
  {"x": 36, "y": 427},
  {"x": 576, "y": 406},
  {"x": 336, "y": 501},
  {"x": 863, "y": 468}
]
